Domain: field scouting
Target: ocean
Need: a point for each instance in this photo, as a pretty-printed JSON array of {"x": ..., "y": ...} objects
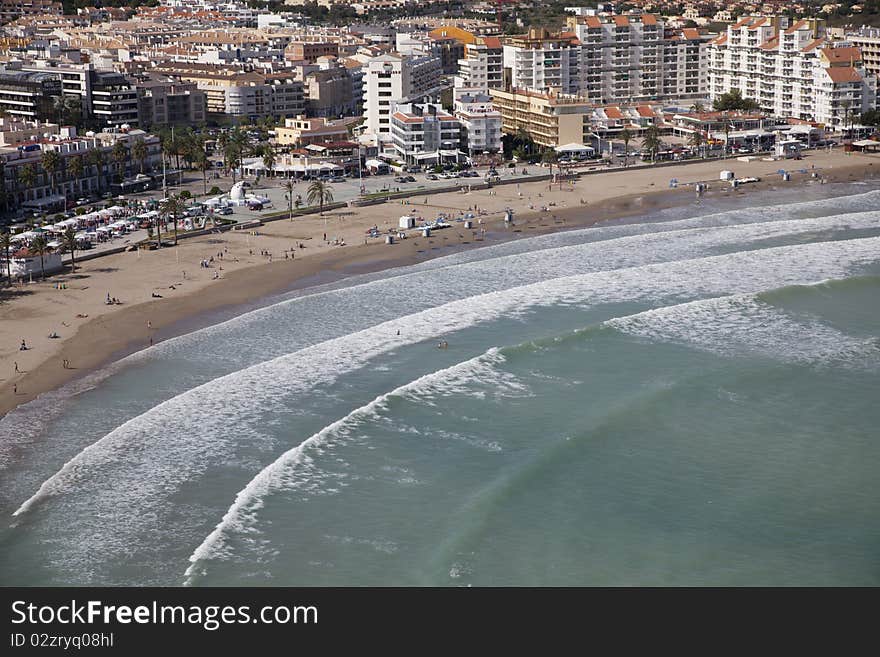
[{"x": 684, "y": 398}]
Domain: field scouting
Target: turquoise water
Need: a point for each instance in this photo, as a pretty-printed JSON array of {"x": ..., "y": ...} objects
[{"x": 687, "y": 398}]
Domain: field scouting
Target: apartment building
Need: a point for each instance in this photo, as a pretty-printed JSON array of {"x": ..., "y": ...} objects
[
  {"x": 13, "y": 9},
  {"x": 310, "y": 51},
  {"x": 46, "y": 190},
  {"x": 480, "y": 122},
  {"x": 425, "y": 133},
  {"x": 28, "y": 94},
  {"x": 396, "y": 79},
  {"x": 302, "y": 131},
  {"x": 867, "y": 40},
  {"x": 330, "y": 89},
  {"x": 114, "y": 100},
  {"x": 237, "y": 93},
  {"x": 610, "y": 58},
  {"x": 791, "y": 70},
  {"x": 167, "y": 103},
  {"x": 107, "y": 98},
  {"x": 552, "y": 119},
  {"x": 637, "y": 57},
  {"x": 541, "y": 61}
]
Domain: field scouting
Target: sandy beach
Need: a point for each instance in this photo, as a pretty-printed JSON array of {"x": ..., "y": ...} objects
[{"x": 91, "y": 332}]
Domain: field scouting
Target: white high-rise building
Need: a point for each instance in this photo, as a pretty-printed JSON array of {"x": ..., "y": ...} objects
[
  {"x": 481, "y": 122},
  {"x": 611, "y": 58},
  {"x": 481, "y": 68},
  {"x": 425, "y": 133},
  {"x": 391, "y": 79},
  {"x": 792, "y": 71}
]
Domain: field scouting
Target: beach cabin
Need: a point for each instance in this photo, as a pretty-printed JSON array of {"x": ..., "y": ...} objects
[
  {"x": 24, "y": 264},
  {"x": 788, "y": 148}
]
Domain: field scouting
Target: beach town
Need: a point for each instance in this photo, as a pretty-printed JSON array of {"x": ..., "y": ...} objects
[{"x": 235, "y": 153}]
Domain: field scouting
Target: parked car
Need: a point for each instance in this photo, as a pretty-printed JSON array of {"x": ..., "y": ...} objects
[
  {"x": 255, "y": 205},
  {"x": 409, "y": 179},
  {"x": 224, "y": 210},
  {"x": 399, "y": 179},
  {"x": 432, "y": 176}
]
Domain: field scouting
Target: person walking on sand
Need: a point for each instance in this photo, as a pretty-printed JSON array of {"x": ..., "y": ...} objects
[{"x": 16, "y": 368}]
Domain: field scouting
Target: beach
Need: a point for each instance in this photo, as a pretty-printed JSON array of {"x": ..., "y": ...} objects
[{"x": 160, "y": 289}]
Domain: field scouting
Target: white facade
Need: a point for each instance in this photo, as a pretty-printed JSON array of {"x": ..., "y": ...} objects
[
  {"x": 425, "y": 133},
  {"x": 791, "y": 71},
  {"x": 390, "y": 79},
  {"x": 617, "y": 58},
  {"x": 479, "y": 70},
  {"x": 481, "y": 122}
]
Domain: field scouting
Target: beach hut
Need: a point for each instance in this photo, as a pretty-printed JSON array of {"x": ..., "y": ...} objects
[{"x": 406, "y": 222}]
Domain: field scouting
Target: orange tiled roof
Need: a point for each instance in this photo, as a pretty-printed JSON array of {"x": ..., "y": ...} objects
[
  {"x": 621, "y": 21},
  {"x": 613, "y": 113},
  {"x": 842, "y": 55},
  {"x": 843, "y": 74}
]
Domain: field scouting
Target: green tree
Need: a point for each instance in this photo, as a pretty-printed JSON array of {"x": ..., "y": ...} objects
[
  {"x": 50, "y": 161},
  {"x": 139, "y": 153},
  {"x": 26, "y": 176},
  {"x": 268, "y": 158},
  {"x": 733, "y": 101},
  {"x": 696, "y": 140},
  {"x": 6, "y": 245},
  {"x": 174, "y": 207},
  {"x": 549, "y": 157},
  {"x": 288, "y": 195},
  {"x": 68, "y": 243},
  {"x": 119, "y": 154},
  {"x": 318, "y": 194},
  {"x": 871, "y": 117},
  {"x": 74, "y": 166},
  {"x": 95, "y": 158},
  {"x": 651, "y": 141},
  {"x": 626, "y": 136},
  {"x": 698, "y": 107},
  {"x": 40, "y": 246}
]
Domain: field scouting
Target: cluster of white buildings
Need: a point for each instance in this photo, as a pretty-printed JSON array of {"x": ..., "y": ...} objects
[{"x": 792, "y": 70}]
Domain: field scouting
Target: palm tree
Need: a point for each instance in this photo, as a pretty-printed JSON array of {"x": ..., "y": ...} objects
[
  {"x": 318, "y": 194},
  {"x": 288, "y": 194},
  {"x": 726, "y": 137},
  {"x": 95, "y": 157},
  {"x": 698, "y": 107},
  {"x": 119, "y": 154},
  {"x": 203, "y": 164},
  {"x": 173, "y": 206},
  {"x": 139, "y": 152},
  {"x": 651, "y": 141},
  {"x": 26, "y": 176},
  {"x": 6, "y": 245},
  {"x": 41, "y": 246},
  {"x": 68, "y": 243},
  {"x": 74, "y": 166},
  {"x": 50, "y": 161},
  {"x": 549, "y": 157},
  {"x": 626, "y": 136},
  {"x": 268, "y": 158},
  {"x": 696, "y": 140}
]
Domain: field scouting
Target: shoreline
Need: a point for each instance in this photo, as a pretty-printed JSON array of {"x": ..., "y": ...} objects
[{"x": 249, "y": 281}]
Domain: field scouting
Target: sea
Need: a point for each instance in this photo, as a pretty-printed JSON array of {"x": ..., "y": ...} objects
[{"x": 690, "y": 397}]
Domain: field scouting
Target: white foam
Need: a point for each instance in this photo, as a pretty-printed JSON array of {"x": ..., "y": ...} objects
[
  {"x": 738, "y": 324},
  {"x": 278, "y": 474},
  {"x": 595, "y": 249},
  {"x": 176, "y": 437}
]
